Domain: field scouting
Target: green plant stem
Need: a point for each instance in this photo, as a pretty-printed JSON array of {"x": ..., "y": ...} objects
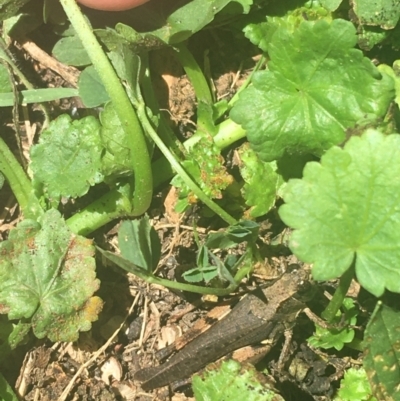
[
  {"x": 19, "y": 183},
  {"x": 197, "y": 289},
  {"x": 194, "y": 73},
  {"x": 163, "y": 129},
  {"x": 337, "y": 300},
  {"x": 110, "y": 206},
  {"x": 227, "y": 133},
  {"x": 151, "y": 279},
  {"x": 247, "y": 82},
  {"x": 205, "y": 122},
  {"x": 180, "y": 170},
  {"x": 143, "y": 186}
]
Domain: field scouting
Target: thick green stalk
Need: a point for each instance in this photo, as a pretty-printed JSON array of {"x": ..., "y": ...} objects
[
  {"x": 110, "y": 206},
  {"x": 337, "y": 300},
  {"x": 143, "y": 185},
  {"x": 228, "y": 132},
  {"x": 19, "y": 183}
]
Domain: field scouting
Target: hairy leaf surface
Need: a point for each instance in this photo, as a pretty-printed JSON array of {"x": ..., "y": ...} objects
[
  {"x": 67, "y": 160},
  {"x": 385, "y": 13},
  {"x": 117, "y": 159},
  {"x": 316, "y": 87},
  {"x": 260, "y": 198},
  {"x": 48, "y": 276},
  {"x": 232, "y": 381},
  {"x": 346, "y": 207}
]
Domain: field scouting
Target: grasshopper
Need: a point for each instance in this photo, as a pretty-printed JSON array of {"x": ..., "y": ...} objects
[{"x": 263, "y": 314}]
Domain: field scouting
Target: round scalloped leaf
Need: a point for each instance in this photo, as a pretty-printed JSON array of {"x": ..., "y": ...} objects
[
  {"x": 67, "y": 159},
  {"x": 346, "y": 207},
  {"x": 316, "y": 87},
  {"x": 260, "y": 33},
  {"x": 48, "y": 276},
  {"x": 230, "y": 380}
]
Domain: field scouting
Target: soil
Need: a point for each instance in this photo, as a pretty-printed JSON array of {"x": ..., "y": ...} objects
[{"x": 138, "y": 319}]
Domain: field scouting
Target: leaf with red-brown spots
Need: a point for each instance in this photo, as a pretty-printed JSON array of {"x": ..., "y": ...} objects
[{"x": 48, "y": 276}]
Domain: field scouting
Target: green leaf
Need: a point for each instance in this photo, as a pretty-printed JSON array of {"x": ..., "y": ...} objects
[
  {"x": 261, "y": 33},
  {"x": 330, "y": 5},
  {"x": 317, "y": 86},
  {"x": 37, "y": 96},
  {"x": 355, "y": 387},
  {"x": 9, "y": 8},
  {"x": 67, "y": 159},
  {"x": 188, "y": 19},
  {"x": 11, "y": 335},
  {"x": 346, "y": 207},
  {"x": 337, "y": 338},
  {"x": 395, "y": 74},
  {"x": 139, "y": 42},
  {"x": 70, "y": 51},
  {"x": 5, "y": 85},
  {"x": 150, "y": 278},
  {"x": 245, "y": 230},
  {"x": 6, "y": 391},
  {"x": 209, "y": 267},
  {"x": 127, "y": 265},
  {"x": 232, "y": 381},
  {"x": 382, "y": 353},
  {"x": 385, "y": 13},
  {"x": 91, "y": 89},
  {"x": 116, "y": 161},
  {"x": 234, "y": 8},
  {"x": 370, "y": 36},
  {"x": 203, "y": 273},
  {"x": 139, "y": 243},
  {"x": 21, "y": 24},
  {"x": 260, "y": 198},
  {"x": 48, "y": 276},
  {"x": 222, "y": 270}
]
